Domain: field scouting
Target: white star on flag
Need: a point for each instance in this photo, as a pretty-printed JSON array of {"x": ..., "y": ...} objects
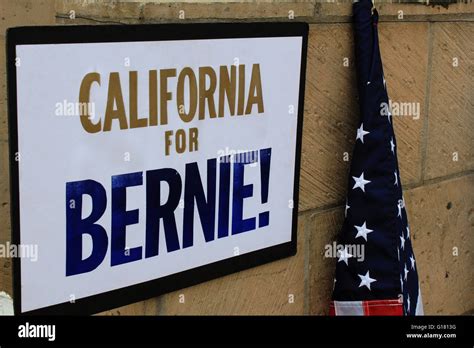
[
  {"x": 344, "y": 256},
  {"x": 360, "y": 182},
  {"x": 412, "y": 259},
  {"x": 361, "y": 133},
  {"x": 406, "y": 272},
  {"x": 396, "y": 178},
  {"x": 399, "y": 210},
  {"x": 365, "y": 280},
  {"x": 401, "y": 282},
  {"x": 347, "y": 208},
  {"x": 392, "y": 146},
  {"x": 408, "y": 303},
  {"x": 402, "y": 241},
  {"x": 408, "y": 232},
  {"x": 362, "y": 231}
]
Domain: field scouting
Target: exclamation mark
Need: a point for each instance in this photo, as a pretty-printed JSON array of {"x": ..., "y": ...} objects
[{"x": 265, "y": 157}]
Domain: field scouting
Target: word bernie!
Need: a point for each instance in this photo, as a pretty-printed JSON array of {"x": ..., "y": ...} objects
[
  {"x": 213, "y": 205},
  {"x": 206, "y": 89}
]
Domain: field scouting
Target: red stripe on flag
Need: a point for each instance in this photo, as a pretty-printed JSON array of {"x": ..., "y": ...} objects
[
  {"x": 383, "y": 307},
  {"x": 367, "y": 308}
]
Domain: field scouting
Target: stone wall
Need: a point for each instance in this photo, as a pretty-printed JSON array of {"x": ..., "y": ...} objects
[{"x": 428, "y": 55}]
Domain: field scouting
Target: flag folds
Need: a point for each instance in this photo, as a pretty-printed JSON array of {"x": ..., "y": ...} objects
[{"x": 383, "y": 281}]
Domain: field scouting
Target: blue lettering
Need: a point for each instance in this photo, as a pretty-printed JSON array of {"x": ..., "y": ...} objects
[
  {"x": 76, "y": 227},
  {"x": 193, "y": 190},
  {"x": 121, "y": 218}
]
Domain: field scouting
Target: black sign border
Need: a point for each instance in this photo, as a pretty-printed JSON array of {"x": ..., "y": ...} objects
[{"x": 149, "y": 32}]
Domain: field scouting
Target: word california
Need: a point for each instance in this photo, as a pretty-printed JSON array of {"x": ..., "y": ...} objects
[{"x": 203, "y": 93}]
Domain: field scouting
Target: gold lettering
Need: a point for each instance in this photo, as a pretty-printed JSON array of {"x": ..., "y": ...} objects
[
  {"x": 197, "y": 92},
  {"x": 153, "y": 97},
  {"x": 227, "y": 88},
  {"x": 84, "y": 97},
  {"x": 193, "y": 139},
  {"x": 168, "y": 135},
  {"x": 187, "y": 117},
  {"x": 180, "y": 141},
  {"x": 255, "y": 91},
  {"x": 165, "y": 95},
  {"x": 114, "y": 97},
  {"x": 240, "y": 106},
  {"x": 135, "y": 122},
  {"x": 207, "y": 94}
]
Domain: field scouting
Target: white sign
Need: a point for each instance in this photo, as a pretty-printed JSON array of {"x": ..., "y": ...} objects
[{"x": 141, "y": 160}]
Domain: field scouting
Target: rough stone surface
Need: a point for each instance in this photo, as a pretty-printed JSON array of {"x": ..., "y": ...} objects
[
  {"x": 5, "y": 263},
  {"x": 276, "y": 288},
  {"x": 331, "y": 107},
  {"x": 330, "y": 116},
  {"x": 3, "y": 92},
  {"x": 233, "y": 11},
  {"x": 323, "y": 230},
  {"x": 148, "y": 307},
  {"x": 14, "y": 13},
  {"x": 69, "y": 9},
  {"x": 404, "y": 49},
  {"x": 450, "y": 141},
  {"x": 441, "y": 218}
]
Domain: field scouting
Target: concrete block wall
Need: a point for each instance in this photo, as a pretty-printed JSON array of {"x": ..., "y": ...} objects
[{"x": 428, "y": 55}]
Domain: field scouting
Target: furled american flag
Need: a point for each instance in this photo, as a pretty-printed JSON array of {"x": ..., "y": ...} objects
[{"x": 384, "y": 281}]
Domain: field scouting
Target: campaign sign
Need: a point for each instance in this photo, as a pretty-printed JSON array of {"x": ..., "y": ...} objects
[{"x": 145, "y": 159}]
